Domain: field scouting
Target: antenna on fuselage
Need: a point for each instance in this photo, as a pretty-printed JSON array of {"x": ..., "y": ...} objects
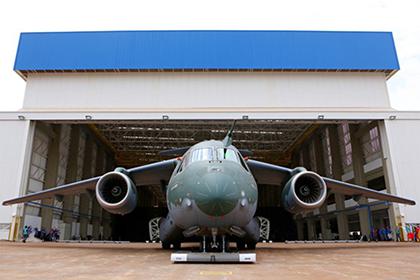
[{"x": 227, "y": 141}]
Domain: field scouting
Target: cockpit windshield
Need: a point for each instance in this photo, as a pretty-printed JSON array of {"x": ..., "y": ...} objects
[
  {"x": 207, "y": 154},
  {"x": 199, "y": 155},
  {"x": 227, "y": 154}
]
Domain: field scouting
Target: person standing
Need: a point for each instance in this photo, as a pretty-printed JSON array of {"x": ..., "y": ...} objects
[
  {"x": 381, "y": 234},
  {"x": 389, "y": 234},
  {"x": 418, "y": 233},
  {"x": 372, "y": 234},
  {"x": 408, "y": 231},
  {"x": 378, "y": 234},
  {"x": 397, "y": 234},
  {"x": 25, "y": 233}
]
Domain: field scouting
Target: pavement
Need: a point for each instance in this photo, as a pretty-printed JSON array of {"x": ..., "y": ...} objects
[{"x": 381, "y": 260}]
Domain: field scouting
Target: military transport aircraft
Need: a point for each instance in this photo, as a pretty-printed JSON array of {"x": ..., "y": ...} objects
[{"x": 212, "y": 193}]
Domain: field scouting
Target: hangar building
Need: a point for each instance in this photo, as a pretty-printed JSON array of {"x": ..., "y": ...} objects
[{"x": 97, "y": 100}]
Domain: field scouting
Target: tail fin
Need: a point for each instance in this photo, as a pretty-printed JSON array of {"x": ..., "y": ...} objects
[{"x": 227, "y": 141}]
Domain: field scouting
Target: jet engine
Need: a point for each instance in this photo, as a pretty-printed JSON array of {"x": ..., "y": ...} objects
[
  {"x": 116, "y": 193},
  {"x": 304, "y": 191}
]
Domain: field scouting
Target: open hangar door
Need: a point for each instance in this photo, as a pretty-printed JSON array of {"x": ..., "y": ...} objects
[{"x": 70, "y": 151}]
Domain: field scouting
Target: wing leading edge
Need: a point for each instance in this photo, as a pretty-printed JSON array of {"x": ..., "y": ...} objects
[
  {"x": 149, "y": 174},
  {"x": 67, "y": 189},
  {"x": 271, "y": 174}
]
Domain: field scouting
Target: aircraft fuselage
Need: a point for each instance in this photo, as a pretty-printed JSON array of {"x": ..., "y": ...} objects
[{"x": 211, "y": 190}]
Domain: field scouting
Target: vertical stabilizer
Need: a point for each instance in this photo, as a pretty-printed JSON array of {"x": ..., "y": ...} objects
[{"x": 227, "y": 141}]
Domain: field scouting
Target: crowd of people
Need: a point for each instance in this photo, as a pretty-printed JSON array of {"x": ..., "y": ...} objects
[
  {"x": 52, "y": 235},
  {"x": 412, "y": 233},
  {"x": 382, "y": 234}
]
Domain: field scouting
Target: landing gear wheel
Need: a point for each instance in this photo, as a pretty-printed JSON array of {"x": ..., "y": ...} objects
[
  {"x": 226, "y": 245},
  {"x": 251, "y": 246},
  {"x": 240, "y": 245},
  {"x": 204, "y": 246},
  {"x": 176, "y": 246},
  {"x": 166, "y": 245}
]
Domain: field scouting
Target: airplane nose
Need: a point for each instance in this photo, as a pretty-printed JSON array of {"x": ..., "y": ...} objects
[{"x": 217, "y": 194}]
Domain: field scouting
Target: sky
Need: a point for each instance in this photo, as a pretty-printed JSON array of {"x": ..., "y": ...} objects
[{"x": 400, "y": 17}]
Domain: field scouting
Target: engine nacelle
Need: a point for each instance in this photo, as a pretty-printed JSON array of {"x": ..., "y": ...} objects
[
  {"x": 116, "y": 193},
  {"x": 305, "y": 191}
]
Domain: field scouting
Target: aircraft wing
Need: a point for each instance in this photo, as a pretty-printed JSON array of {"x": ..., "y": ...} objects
[
  {"x": 149, "y": 174},
  {"x": 67, "y": 189},
  {"x": 154, "y": 173},
  {"x": 270, "y": 174}
]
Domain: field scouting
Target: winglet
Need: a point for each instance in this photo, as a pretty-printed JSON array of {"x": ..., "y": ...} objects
[{"x": 227, "y": 141}]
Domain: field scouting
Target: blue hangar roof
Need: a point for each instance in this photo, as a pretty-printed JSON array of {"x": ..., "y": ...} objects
[{"x": 206, "y": 51}]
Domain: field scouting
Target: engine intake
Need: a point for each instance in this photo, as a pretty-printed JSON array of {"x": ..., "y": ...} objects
[
  {"x": 305, "y": 191},
  {"x": 116, "y": 193}
]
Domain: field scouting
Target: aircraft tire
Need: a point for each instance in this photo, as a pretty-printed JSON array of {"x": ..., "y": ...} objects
[
  {"x": 227, "y": 245},
  {"x": 176, "y": 246},
  {"x": 166, "y": 245},
  {"x": 251, "y": 246},
  {"x": 240, "y": 245}
]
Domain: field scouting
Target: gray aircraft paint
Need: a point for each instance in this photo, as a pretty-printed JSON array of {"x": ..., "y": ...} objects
[{"x": 212, "y": 194}]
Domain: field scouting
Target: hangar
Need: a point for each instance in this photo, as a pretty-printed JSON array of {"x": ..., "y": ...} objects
[{"x": 98, "y": 100}]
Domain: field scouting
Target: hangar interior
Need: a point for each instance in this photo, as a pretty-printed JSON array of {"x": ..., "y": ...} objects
[{"x": 67, "y": 151}]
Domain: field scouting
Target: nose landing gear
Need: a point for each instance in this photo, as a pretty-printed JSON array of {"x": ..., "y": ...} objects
[
  {"x": 219, "y": 244},
  {"x": 214, "y": 249}
]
